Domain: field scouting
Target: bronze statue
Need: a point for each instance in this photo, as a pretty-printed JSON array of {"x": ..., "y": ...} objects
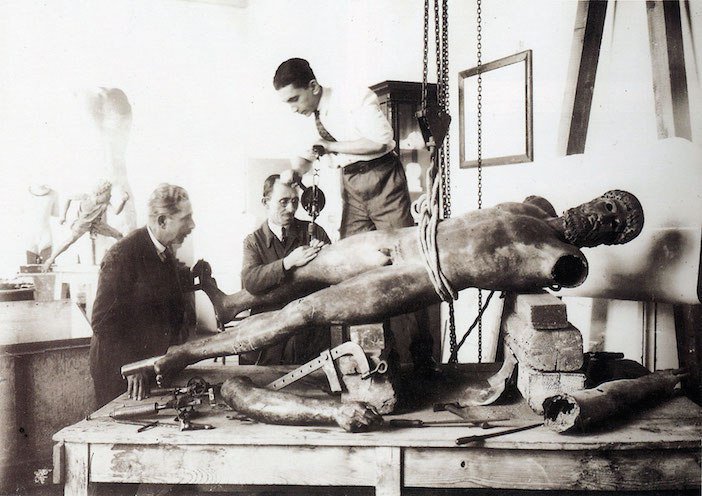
[{"x": 372, "y": 276}]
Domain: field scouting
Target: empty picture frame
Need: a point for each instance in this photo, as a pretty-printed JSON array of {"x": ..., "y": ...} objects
[{"x": 506, "y": 109}]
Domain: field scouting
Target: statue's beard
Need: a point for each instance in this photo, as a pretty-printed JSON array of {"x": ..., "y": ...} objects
[{"x": 584, "y": 230}]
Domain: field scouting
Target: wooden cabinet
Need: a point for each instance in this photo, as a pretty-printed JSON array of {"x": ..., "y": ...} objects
[{"x": 400, "y": 100}]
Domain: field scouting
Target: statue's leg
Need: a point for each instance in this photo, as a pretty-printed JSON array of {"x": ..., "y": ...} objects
[
  {"x": 107, "y": 230},
  {"x": 334, "y": 264},
  {"x": 226, "y": 307},
  {"x": 369, "y": 297},
  {"x": 75, "y": 235}
]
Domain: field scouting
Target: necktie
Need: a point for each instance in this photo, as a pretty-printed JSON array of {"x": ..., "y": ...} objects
[
  {"x": 167, "y": 256},
  {"x": 321, "y": 129},
  {"x": 283, "y": 235}
]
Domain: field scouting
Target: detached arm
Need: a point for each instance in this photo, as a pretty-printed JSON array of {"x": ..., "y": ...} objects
[{"x": 277, "y": 407}]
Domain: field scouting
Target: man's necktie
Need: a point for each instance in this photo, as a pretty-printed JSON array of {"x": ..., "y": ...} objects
[
  {"x": 321, "y": 129},
  {"x": 166, "y": 255},
  {"x": 283, "y": 236}
]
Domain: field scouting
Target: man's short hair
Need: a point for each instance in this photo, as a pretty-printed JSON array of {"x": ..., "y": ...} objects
[
  {"x": 269, "y": 183},
  {"x": 293, "y": 71},
  {"x": 166, "y": 200}
]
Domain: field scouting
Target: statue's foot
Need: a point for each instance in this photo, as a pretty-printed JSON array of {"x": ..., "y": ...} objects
[{"x": 203, "y": 271}]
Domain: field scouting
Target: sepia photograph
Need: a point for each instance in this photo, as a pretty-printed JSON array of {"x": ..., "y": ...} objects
[{"x": 351, "y": 247}]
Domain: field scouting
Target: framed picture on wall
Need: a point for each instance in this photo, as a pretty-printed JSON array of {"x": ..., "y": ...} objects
[{"x": 505, "y": 108}]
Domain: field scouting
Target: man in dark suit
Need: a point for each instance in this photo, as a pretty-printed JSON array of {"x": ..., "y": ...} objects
[
  {"x": 140, "y": 305},
  {"x": 271, "y": 254}
]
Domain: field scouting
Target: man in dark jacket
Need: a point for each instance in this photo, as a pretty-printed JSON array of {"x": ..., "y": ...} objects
[
  {"x": 139, "y": 307},
  {"x": 271, "y": 254}
]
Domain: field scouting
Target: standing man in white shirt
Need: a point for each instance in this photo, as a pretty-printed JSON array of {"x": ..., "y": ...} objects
[
  {"x": 353, "y": 132},
  {"x": 350, "y": 130}
]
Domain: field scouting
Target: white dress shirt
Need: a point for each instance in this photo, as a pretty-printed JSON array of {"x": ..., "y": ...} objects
[
  {"x": 276, "y": 230},
  {"x": 160, "y": 249},
  {"x": 349, "y": 114}
]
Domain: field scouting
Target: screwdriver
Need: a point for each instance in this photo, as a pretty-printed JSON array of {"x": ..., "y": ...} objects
[
  {"x": 485, "y": 424},
  {"x": 481, "y": 437}
]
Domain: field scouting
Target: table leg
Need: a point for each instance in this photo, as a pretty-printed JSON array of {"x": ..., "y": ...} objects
[
  {"x": 388, "y": 462},
  {"x": 77, "y": 470}
]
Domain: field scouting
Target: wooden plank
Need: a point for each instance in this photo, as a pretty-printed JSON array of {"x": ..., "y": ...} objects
[
  {"x": 642, "y": 470},
  {"x": 546, "y": 350},
  {"x": 536, "y": 386},
  {"x": 77, "y": 482},
  {"x": 59, "y": 460},
  {"x": 248, "y": 464},
  {"x": 388, "y": 466},
  {"x": 582, "y": 71},
  {"x": 542, "y": 310},
  {"x": 668, "y": 64},
  {"x": 674, "y": 423}
]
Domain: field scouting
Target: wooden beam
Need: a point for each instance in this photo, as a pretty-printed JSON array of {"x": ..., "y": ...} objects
[
  {"x": 584, "y": 57},
  {"x": 668, "y": 64}
]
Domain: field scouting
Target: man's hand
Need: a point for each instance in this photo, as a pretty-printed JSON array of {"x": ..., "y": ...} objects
[
  {"x": 317, "y": 243},
  {"x": 302, "y": 255},
  {"x": 138, "y": 386},
  {"x": 355, "y": 417}
]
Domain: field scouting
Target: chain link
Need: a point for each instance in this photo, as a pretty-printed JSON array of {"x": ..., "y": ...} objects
[
  {"x": 425, "y": 60},
  {"x": 479, "y": 47}
]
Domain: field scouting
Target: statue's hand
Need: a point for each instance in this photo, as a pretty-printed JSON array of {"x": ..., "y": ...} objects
[
  {"x": 167, "y": 366},
  {"x": 356, "y": 416}
]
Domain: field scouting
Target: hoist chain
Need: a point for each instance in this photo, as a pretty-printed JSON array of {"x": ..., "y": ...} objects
[
  {"x": 441, "y": 196},
  {"x": 439, "y": 60},
  {"x": 425, "y": 59},
  {"x": 479, "y": 24},
  {"x": 446, "y": 183}
]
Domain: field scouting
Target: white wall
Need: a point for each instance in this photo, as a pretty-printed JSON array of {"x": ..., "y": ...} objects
[{"x": 199, "y": 79}]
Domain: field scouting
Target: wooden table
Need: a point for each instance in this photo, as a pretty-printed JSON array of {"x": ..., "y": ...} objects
[{"x": 655, "y": 450}]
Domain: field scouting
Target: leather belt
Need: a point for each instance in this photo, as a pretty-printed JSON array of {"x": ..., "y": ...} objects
[{"x": 363, "y": 166}]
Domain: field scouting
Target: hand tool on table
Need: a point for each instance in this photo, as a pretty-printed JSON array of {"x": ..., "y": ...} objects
[
  {"x": 481, "y": 437},
  {"x": 482, "y": 423},
  {"x": 325, "y": 361},
  {"x": 195, "y": 387}
]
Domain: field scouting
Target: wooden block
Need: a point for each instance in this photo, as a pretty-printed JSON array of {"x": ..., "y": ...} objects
[
  {"x": 541, "y": 310},
  {"x": 546, "y": 350},
  {"x": 536, "y": 386}
]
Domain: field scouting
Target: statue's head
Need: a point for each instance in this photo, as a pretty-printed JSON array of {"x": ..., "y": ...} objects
[
  {"x": 103, "y": 191},
  {"x": 614, "y": 218}
]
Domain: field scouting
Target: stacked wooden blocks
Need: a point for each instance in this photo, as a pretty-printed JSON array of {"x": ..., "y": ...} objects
[{"x": 548, "y": 348}]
